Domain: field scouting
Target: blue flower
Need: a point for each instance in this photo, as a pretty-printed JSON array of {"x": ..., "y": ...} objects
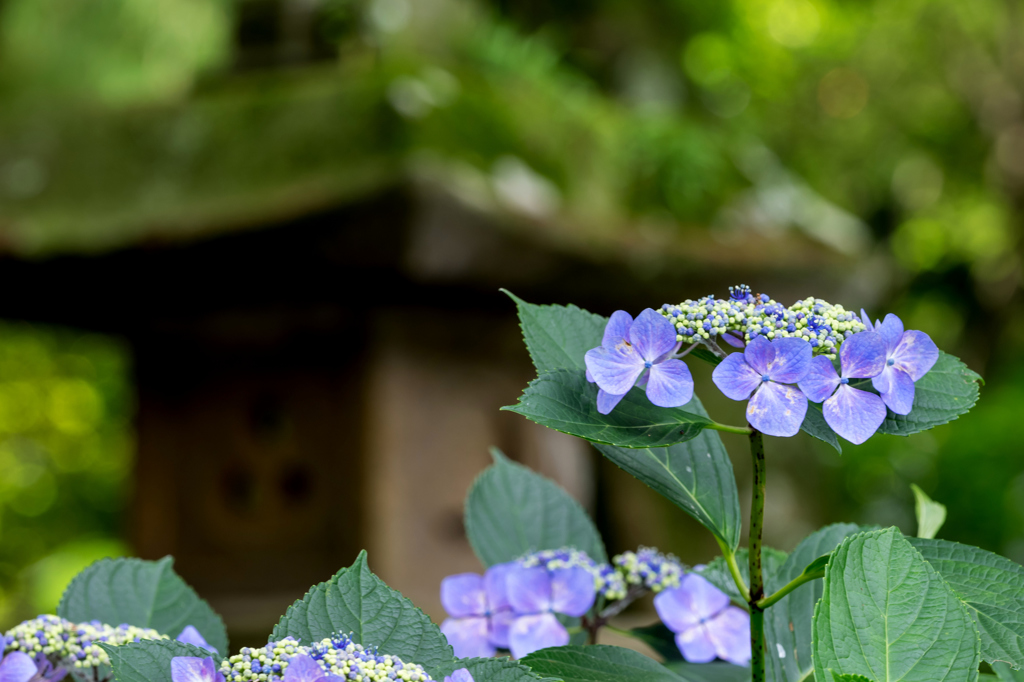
[
  {"x": 705, "y": 624},
  {"x": 639, "y": 351},
  {"x": 909, "y": 355},
  {"x": 16, "y": 666},
  {"x": 460, "y": 675},
  {"x": 193, "y": 669},
  {"x": 190, "y": 635},
  {"x": 762, "y": 369},
  {"x": 479, "y": 610},
  {"x": 536, "y": 595},
  {"x": 852, "y": 413}
]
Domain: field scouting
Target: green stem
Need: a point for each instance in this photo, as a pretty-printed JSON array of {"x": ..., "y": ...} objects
[
  {"x": 729, "y": 429},
  {"x": 789, "y": 587},
  {"x": 757, "y": 663},
  {"x": 730, "y": 560}
]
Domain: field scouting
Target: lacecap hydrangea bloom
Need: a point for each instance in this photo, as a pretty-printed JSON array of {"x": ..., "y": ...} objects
[
  {"x": 537, "y": 595},
  {"x": 17, "y": 666},
  {"x": 908, "y": 357},
  {"x": 705, "y": 624},
  {"x": 336, "y": 655},
  {"x": 72, "y": 644},
  {"x": 649, "y": 568},
  {"x": 479, "y": 611},
  {"x": 608, "y": 582}
]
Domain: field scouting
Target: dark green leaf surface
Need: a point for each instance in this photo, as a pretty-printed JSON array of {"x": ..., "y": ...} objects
[
  {"x": 815, "y": 425},
  {"x": 357, "y": 601},
  {"x": 1008, "y": 674},
  {"x": 149, "y": 660},
  {"x": 717, "y": 572},
  {"x": 949, "y": 390},
  {"x": 495, "y": 670},
  {"x": 696, "y": 475},
  {"x": 710, "y": 672},
  {"x": 659, "y": 638},
  {"x": 598, "y": 664},
  {"x": 993, "y": 589},
  {"x": 146, "y": 594},
  {"x": 557, "y": 336},
  {"x": 885, "y": 613},
  {"x": 850, "y": 678},
  {"x": 565, "y": 401},
  {"x": 511, "y": 510}
]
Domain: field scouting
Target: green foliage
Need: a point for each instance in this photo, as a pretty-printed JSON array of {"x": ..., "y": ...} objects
[
  {"x": 930, "y": 514},
  {"x": 848, "y": 678},
  {"x": 565, "y": 401},
  {"x": 869, "y": 622},
  {"x": 816, "y": 426},
  {"x": 511, "y": 511},
  {"x": 717, "y": 572},
  {"x": 946, "y": 392},
  {"x": 598, "y": 663},
  {"x": 1008, "y": 674},
  {"x": 558, "y": 337},
  {"x": 147, "y": 594},
  {"x": 150, "y": 660},
  {"x": 495, "y": 670},
  {"x": 358, "y": 602},
  {"x": 991, "y": 586},
  {"x": 710, "y": 672}
]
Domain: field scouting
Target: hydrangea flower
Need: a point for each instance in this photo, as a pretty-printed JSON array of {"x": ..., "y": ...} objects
[
  {"x": 607, "y": 581},
  {"x": 909, "y": 355},
  {"x": 650, "y": 568},
  {"x": 851, "y": 412},
  {"x": 480, "y": 614},
  {"x": 190, "y": 635},
  {"x": 763, "y": 369},
  {"x": 74, "y": 644},
  {"x": 641, "y": 351},
  {"x": 193, "y": 669},
  {"x": 17, "y": 666},
  {"x": 536, "y": 595},
  {"x": 303, "y": 668},
  {"x": 460, "y": 675},
  {"x": 705, "y": 624}
]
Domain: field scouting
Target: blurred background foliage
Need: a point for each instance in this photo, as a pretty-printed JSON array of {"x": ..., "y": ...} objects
[{"x": 890, "y": 135}]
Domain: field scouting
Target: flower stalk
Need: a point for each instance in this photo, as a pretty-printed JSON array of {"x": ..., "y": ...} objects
[{"x": 757, "y": 646}]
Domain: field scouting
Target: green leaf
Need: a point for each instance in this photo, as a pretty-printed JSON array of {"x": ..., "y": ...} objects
[
  {"x": 557, "y": 336},
  {"x": 717, "y": 572},
  {"x": 357, "y": 601},
  {"x": 991, "y": 586},
  {"x": 848, "y": 678},
  {"x": 930, "y": 514},
  {"x": 598, "y": 664},
  {"x": 565, "y": 401},
  {"x": 887, "y": 614},
  {"x": 788, "y": 624},
  {"x": 511, "y": 511},
  {"x": 494, "y": 670},
  {"x": 659, "y": 638},
  {"x": 815, "y": 425},
  {"x": 706, "y": 355},
  {"x": 1008, "y": 674},
  {"x": 146, "y": 594},
  {"x": 949, "y": 390},
  {"x": 817, "y": 567},
  {"x": 710, "y": 672},
  {"x": 149, "y": 660},
  {"x": 696, "y": 476}
]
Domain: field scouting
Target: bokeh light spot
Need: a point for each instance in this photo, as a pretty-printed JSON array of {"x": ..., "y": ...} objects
[
  {"x": 707, "y": 59},
  {"x": 843, "y": 93},
  {"x": 793, "y": 23}
]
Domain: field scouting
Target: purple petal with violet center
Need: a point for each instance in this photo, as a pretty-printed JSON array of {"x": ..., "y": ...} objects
[
  {"x": 891, "y": 329},
  {"x": 729, "y": 631},
  {"x": 733, "y": 339},
  {"x": 18, "y": 666},
  {"x": 777, "y": 409},
  {"x": 792, "y": 360},
  {"x": 652, "y": 335},
  {"x": 670, "y": 384},
  {"x": 303, "y": 668},
  {"x": 862, "y": 356},
  {"x": 501, "y": 622},
  {"x": 469, "y": 637},
  {"x": 533, "y": 633},
  {"x": 821, "y": 379},
  {"x": 617, "y": 329},
  {"x": 854, "y": 414},
  {"x": 614, "y": 370},
  {"x": 759, "y": 353},
  {"x": 572, "y": 591},
  {"x": 460, "y": 675},
  {"x": 496, "y": 586},
  {"x": 529, "y": 589},
  {"x": 695, "y": 645},
  {"x": 685, "y": 606},
  {"x": 735, "y": 378},
  {"x": 463, "y": 595},
  {"x": 884, "y": 379},
  {"x": 915, "y": 354},
  {"x": 900, "y": 396},
  {"x": 606, "y": 401}
]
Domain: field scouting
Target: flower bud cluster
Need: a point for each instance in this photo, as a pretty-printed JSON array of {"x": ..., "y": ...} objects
[
  {"x": 607, "y": 581},
  {"x": 337, "y": 655},
  {"x": 745, "y": 315},
  {"x": 650, "y": 568},
  {"x": 72, "y": 644}
]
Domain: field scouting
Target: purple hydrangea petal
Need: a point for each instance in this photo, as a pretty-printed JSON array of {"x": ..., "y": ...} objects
[
  {"x": 533, "y": 633},
  {"x": 469, "y": 637},
  {"x": 759, "y": 353},
  {"x": 617, "y": 329},
  {"x": 18, "y": 666},
  {"x": 460, "y": 675},
  {"x": 590, "y": 377},
  {"x": 501, "y": 622},
  {"x": 866, "y": 320},
  {"x": 463, "y": 595},
  {"x": 777, "y": 409},
  {"x": 303, "y": 668},
  {"x": 529, "y": 589},
  {"x": 792, "y": 360},
  {"x": 900, "y": 396},
  {"x": 891, "y": 329},
  {"x": 915, "y": 354},
  {"x": 193, "y": 669},
  {"x": 735, "y": 378},
  {"x": 190, "y": 635},
  {"x": 881, "y": 382},
  {"x": 733, "y": 339},
  {"x": 614, "y": 370},
  {"x": 572, "y": 591},
  {"x": 606, "y": 401},
  {"x": 652, "y": 335},
  {"x": 496, "y": 586},
  {"x": 670, "y": 384},
  {"x": 685, "y": 606},
  {"x": 729, "y": 631},
  {"x": 862, "y": 355},
  {"x": 695, "y": 645},
  {"x": 821, "y": 379},
  {"x": 645, "y": 376},
  {"x": 854, "y": 414}
]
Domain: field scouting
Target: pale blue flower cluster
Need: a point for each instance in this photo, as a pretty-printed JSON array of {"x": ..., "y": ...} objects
[
  {"x": 72, "y": 644},
  {"x": 608, "y": 582},
  {"x": 337, "y": 656},
  {"x": 649, "y": 568}
]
